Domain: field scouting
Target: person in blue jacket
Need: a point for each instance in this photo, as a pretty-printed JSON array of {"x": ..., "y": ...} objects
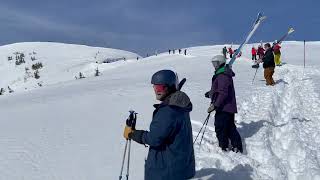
[{"x": 171, "y": 154}]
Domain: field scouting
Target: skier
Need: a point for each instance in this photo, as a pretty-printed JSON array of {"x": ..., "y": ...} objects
[
  {"x": 179, "y": 51},
  {"x": 185, "y": 52},
  {"x": 2, "y": 91},
  {"x": 254, "y": 53},
  {"x": 171, "y": 154},
  {"x": 268, "y": 65},
  {"x": 223, "y": 101},
  {"x": 10, "y": 90},
  {"x": 277, "y": 53},
  {"x": 260, "y": 51},
  {"x": 224, "y": 51},
  {"x": 169, "y": 51},
  {"x": 230, "y": 52}
]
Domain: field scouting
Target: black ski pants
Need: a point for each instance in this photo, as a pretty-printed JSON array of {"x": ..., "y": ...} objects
[
  {"x": 226, "y": 130},
  {"x": 254, "y": 57}
]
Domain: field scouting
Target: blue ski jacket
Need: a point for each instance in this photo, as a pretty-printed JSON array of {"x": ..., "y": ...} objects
[{"x": 171, "y": 154}]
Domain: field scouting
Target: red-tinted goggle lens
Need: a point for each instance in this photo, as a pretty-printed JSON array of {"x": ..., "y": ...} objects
[{"x": 159, "y": 87}]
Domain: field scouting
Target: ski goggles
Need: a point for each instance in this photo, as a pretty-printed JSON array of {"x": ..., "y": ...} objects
[
  {"x": 159, "y": 87},
  {"x": 215, "y": 64}
]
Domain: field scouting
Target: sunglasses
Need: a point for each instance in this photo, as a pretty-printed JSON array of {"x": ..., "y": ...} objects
[{"x": 159, "y": 87}]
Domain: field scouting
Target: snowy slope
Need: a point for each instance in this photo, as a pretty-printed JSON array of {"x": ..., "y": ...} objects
[
  {"x": 61, "y": 62},
  {"x": 73, "y": 130}
]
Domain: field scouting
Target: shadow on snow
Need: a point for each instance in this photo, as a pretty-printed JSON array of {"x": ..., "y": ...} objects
[{"x": 240, "y": 172}]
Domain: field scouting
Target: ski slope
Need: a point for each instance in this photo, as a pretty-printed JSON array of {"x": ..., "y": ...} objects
[
  {"x": 61, "y": 62},
  {"x": 73, "y": 129}
]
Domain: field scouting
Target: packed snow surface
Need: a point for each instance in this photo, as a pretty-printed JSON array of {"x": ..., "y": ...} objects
[{"x": 72, "y": 129}]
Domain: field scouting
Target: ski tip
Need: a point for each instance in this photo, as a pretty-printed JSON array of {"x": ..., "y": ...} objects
[{"x": 291, "y": 30}]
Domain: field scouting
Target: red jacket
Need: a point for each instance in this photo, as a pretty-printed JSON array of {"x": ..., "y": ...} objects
[
  {"x": 260, "y": 51},
  {"x": 276, "y": 48},
  {"x": 253, "y": 51},
  {"x": 230, "y": 51}
]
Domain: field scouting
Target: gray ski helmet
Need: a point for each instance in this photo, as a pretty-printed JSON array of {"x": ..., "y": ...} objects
[
  {"x": 218, "y": 60},
  {"x": 165, "y": 77}
]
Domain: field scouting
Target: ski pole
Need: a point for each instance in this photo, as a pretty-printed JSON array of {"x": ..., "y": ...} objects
[
  {"x": 205, "y": 127},
  {"x": 128, "y": 165},
  {"x": 131, "y": 122},
  {"x": 255, "y": 75},
  {"x": 204, "y": 123},
  {"x": 123, "y": 158}
]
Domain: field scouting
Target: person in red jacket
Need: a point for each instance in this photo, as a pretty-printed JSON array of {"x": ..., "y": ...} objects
[
  {"x": 277, "y": 53},
  {"x": 230, "y": 52},
  {"x": 260, "y": 52},
  {"x": 254, "y": 53}
]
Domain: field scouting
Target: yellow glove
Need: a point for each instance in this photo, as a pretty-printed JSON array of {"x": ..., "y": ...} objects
[{"x": 127, "y": 131}]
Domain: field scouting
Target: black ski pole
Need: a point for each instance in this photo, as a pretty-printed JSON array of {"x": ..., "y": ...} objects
[
  {"x": 128, "y": 165},
  {"x": 123, "y": 158},
  {"x": 255, "y": 75},
  {"x": 131, "y": 122},
  {"x": 204, "y": 123},
  {"x": 205, "y": 127}
]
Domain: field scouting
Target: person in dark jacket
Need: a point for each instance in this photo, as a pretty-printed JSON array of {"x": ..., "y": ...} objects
[
  {"x": 224, "y": 51},
  {"x": 171, "y": 154},
  {"x": 223, "y": 101},
  {"x": 268, "y": 65}
]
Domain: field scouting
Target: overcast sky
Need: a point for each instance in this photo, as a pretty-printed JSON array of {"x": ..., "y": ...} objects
[{"x": 144, "y": 26}]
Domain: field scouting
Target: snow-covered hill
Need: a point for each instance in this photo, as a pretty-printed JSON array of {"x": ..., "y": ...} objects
[
  {"x": 61, "y": 62},
  {"x": 73, "y": 130}
]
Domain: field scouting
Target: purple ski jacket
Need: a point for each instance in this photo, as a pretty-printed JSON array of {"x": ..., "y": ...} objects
[{"x": 222, "y": 90}]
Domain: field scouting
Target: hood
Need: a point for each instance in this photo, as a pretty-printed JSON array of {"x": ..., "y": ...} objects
[
  {"x": 225, "y": 70},
  {"x": 228, "y": 71},
  {"x": 178, "y": 99}
]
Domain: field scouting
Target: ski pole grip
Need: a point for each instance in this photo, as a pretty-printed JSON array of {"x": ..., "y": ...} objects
[{"x": 131, "y": 121}]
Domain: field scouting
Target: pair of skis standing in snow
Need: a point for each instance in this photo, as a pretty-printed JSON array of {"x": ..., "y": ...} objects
[{"x": 170, "y": 139}]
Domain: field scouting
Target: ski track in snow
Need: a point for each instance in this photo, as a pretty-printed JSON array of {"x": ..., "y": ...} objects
[{"x": 281, "y": 122}]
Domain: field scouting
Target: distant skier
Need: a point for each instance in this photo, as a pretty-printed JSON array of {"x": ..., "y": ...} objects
[
  {"x": 223, "y": 101},
  {"x": 81, "y": 76},
  {"x": 169, "y": 51},
  {"x": 2, "y": 91},
  {"x": 260, "y": 51},
  {"x": 179, "y": 51},
  {"x": 10, "y": 90},
  {"x": 230, "y": 51},
  {"x": 254, "y": 53},
  {"x": 268, "y": 65},
  {"x": 171, "y": 154},
  {"x": 239, "y": 54},
  {"x": 224, "y": 51},
  {"x": 185, "y": 52},
  {"x": 277, "y": 53}
]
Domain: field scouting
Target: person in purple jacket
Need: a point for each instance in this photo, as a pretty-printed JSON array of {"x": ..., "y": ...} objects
[{"x": 223, "y": 101}]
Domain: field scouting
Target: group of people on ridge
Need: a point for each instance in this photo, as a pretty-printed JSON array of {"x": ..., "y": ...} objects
[
  {"x": 170, "y": 140},
  {"x": 230, "y": 51},
  {"x": 179, "y": 50},
  {"x": 270, "y": 56}
]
